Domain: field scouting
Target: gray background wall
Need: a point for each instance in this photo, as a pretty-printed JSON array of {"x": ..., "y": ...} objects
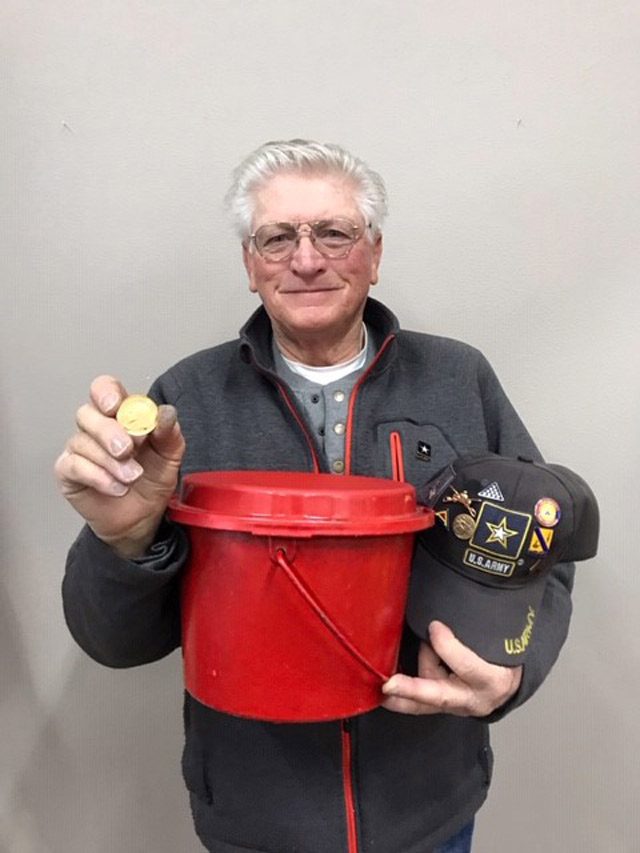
[{"x": 508, "y": 134}]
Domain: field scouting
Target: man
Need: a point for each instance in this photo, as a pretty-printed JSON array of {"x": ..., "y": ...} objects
[{"x": 321, "y": 379}]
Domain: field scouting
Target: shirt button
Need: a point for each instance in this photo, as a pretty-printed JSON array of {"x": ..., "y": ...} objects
[
  {"x": 338, "y": 466},
  {"x": 339, "y": 428},
  {"x": 338, "y": 396},
  {"x": 315, "y": 398}
]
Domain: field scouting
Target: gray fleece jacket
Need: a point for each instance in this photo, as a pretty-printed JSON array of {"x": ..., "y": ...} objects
[{"x": 380, "y": 782}]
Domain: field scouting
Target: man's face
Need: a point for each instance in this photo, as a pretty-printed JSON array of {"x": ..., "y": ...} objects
[{"x": 308, "y": 296}]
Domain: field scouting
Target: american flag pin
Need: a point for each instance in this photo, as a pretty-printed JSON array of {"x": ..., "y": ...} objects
[{"x": 493, "y": 492}]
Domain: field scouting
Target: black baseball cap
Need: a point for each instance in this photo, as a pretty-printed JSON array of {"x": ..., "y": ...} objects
[{"x": 501, "y": 524}]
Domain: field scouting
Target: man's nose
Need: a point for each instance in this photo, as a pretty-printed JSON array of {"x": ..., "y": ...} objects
[{"x": 306, "y": 259}]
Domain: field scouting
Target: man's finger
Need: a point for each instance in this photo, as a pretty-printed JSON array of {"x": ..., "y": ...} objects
[
  {"x": 436, "y": 695},
  {"x": 466, "y": 664},
  {"x": 125, "y": 470},
  {"x": 76, "y": 474},
  {"x": 429, "y": 664},
  {"x": 408, "y": 706},
  {"x": 107, "y": 393},
  {"x": 104, "y": 430}
]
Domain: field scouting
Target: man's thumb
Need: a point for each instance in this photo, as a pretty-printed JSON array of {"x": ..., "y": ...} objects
[{"x": 166, "y": 438}]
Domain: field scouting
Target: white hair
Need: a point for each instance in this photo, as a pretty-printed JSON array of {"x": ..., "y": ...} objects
[{"x": 308, "y": 158}]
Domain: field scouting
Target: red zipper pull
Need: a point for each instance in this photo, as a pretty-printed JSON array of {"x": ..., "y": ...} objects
[{"x": 397, "y": 457}]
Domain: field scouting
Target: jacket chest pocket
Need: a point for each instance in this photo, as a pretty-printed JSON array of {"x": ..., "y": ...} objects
[{"x": 413, "y": 452}]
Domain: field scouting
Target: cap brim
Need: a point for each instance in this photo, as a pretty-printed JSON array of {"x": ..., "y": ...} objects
[{"x": 497, "y": 624}]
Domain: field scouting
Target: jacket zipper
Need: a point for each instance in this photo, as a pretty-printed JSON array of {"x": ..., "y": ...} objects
[
  {"x": 347, "y": 785},
  {"x": 301, "y": 424},
  {"x": 346, "y": 739},
  {"x": 352, "y": 404},
  {"x": 347, "y": 742}
]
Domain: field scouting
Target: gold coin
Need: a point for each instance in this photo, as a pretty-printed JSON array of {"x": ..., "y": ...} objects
[
  {"x": 138, "y": 414},
  {"x": 463, "y": 526}
]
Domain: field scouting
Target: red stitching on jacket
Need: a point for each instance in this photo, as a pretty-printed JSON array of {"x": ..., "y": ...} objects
[
  {"x": 352, "y": 404},
  {"x": 300, "y": 422},
  {"x": 347, "y": 785}
]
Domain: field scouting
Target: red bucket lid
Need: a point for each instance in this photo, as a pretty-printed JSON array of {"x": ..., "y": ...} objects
[{"x": 294, "y": 503}]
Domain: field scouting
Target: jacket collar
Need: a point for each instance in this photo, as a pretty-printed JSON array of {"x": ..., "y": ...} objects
[{"x": 256, "y": 334}]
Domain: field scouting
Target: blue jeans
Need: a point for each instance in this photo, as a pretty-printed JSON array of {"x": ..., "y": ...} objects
[{"x": 459, "y": 843}]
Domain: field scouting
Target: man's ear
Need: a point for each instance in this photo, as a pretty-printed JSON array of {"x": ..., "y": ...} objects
[
  {"x": 375, "y": 260},
  {"x": 249, "y": 260}
]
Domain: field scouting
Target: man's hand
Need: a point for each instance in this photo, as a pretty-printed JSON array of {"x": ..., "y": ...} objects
[
  {"x": 451, "y": 680},
  {"x": 120, "y": 485}
]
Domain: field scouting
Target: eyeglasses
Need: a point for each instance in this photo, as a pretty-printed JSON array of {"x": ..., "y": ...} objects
[{"x": 333, "y": 238}]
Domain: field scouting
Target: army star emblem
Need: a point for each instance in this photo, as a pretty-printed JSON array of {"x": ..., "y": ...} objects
[{"x": 500, "y": 532}]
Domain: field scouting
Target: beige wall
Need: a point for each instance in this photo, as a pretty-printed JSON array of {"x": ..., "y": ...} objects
[{"x": 508, "y": 134}]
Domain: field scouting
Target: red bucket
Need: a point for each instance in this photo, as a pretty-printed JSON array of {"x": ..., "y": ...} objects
[{"x": 293, "y": 600}]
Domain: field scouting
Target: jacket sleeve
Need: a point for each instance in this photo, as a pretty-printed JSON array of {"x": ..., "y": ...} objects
[
  {"x": 124, "y": 612},
  {"x": 508, "y": 436}
]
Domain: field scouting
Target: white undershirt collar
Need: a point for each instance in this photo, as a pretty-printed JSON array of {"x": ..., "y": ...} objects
[{"x": 332, "y": 372}]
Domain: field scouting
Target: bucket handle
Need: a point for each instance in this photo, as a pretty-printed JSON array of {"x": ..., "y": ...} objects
[{"x": 280, "y": 557}]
